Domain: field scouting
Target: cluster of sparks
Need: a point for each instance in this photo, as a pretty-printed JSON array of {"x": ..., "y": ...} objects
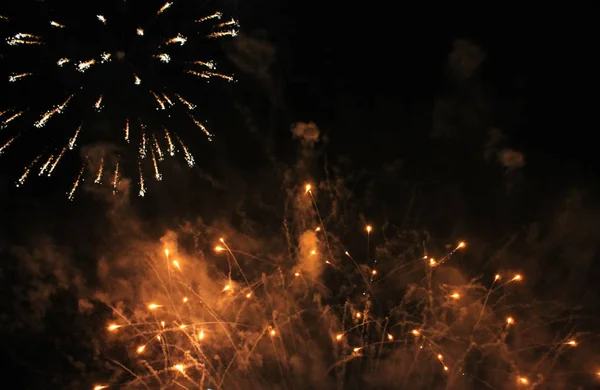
[
  {"x": 172, "y": 341},
  {"x": 164, "y": 99}
]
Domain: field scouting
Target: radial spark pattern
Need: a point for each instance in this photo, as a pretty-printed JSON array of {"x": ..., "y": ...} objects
[{"x": 118, "y": 78}]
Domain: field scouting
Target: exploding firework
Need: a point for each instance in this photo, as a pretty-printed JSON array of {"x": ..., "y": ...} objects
[
  {"x": 122, "y": 75},
  {"x": 315, "y": 317}
]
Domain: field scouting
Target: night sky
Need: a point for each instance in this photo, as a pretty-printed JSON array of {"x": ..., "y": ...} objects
[{"x": 467, "y": 128}]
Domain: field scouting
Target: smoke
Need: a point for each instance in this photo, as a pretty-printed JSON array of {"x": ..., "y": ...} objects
[
  {"x": 307, "y": 133},
  {"x": 263, "y": 309}
]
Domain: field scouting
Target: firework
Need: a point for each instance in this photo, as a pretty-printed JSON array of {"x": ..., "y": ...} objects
[
  {"x": 108, "y": 87},
  {"x": 250, "y": 321}
]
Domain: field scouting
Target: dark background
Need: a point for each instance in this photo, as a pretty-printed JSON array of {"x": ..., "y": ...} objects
[{"x": 406, "y": 124}]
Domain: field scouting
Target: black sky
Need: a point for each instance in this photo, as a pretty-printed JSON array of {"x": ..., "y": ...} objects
[{"x": 409, "y": 134}]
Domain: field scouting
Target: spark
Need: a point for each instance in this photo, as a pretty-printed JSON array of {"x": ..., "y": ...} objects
[
  {"x": 100, "y": 171},
  {"x": 307, "y": 189},
  {"x": 510, "y": 320},
  {"x": 201, "y": 127},
  {"x": 98, "y": 105},
  {"x": 455, "y": 296},
  {"x": 105, "y": 57},
  {"x": 113, "y": 327},
  {"x": 137, "y": 81},
  {"x": 115, "y": 181},
  {"x": 85, "y": 65},
  {"x": 390, "y": 337},
  {"x": 158, "y": 100},
  {"x": 216, "y": 15},
  {"x": 171, "y": 148},
  {"x": 7, "y": 144},
  {"x": 46, "y": 165},
  {"x": 369, "y": 229},
  {"x": 572, "y": 343},
  {"x": 24, "y": 39},
  {"x": 220, "y": 34},
  {"x": 208, "y": 75},
  {"x": 178, "y": 39},
  {"x": 523, "y": 380},
  {"x": 62, "y": 61},
  {"x": 415, "y": 332},
  {"x": 76, "y": 183},
  {"x": 153, "y": 306},
  {"x": 140, "y": 31},
  {"x": 2, "y": 17},
  {"x": 517, "y": 277},
  {"x": 164, "y": 7},
  {"x": 56, "y": 24},
  {"x": 74, "y": 138},
  {"x": 101, "y": 18},
  {"x": 158, "y": 149},
  {"x": 339, "y": 336},
  {"x": 163, "y": 57},
  {"x": 169, "y": 102},
  {"x": 100, "y": 387},
  {"x": 142, "y": 191},
  {"x": 16, "y": 77},
  {"x": 142, "y": 148},
  {"x": 209, "y": 64},
  {"x": 157, "y": 174},
  {"x": 49, "y": 114},
  {"x": 23, "y": 177},
  {"x": 189, "y": 105},
  {"x": 12, "y": 118},
  {"x": 127, "y": 130}
]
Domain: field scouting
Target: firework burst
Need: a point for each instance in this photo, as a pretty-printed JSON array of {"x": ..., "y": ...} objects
[
  {"x": 317, "y": 317},
  {"x": 123, "y": 75}
]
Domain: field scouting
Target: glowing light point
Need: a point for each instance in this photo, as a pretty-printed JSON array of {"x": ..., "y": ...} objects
[
  {"x": 390, "y": 337},
  {"x": 307, "y": 188},
  {"x": 445, "y": 368},
  {"x": 313, "y": 252},
  {"x": 374, "y": 272},
  {"x": 227, "y": 288},
  {"x": 100, "y": 387},
  {"x": 179, "y": 367},
  {"x": 572, "y": 343},
  {"x": 523, "y": 380},
  {"x": 497, "y": 277},
  {"x": 140, "y": 31},
  {"x": 201, "y": 335},
  {"x": 272, "y": 332},
  {"x": 248, "y": 295},
  {"x": 318, "y": 229},
  {"x": 357, "y": 349},
  {"x": 432, "y": 262},
  {"x": 455, "y": 296},
  {"x": 153, "y": 306},
  {"x": 297, "y": 274},
  {"x": 113, "y": 327},
  {"x": 510, "y": 320},
  {"x": 339, "y": 336},
  {"x": 369, "y": 228},
  {"x": 176, "y": 264},
  {"x": 461, "y": 245},
  {"x": 415, "y": 332},
  {"x": 185, "y": 299},
  {"x": 517, "y": 277},
  {"x": 358, "y": 315},
  {"x": 219, "y": 248},
  {"x": 141, "y": 348}
]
